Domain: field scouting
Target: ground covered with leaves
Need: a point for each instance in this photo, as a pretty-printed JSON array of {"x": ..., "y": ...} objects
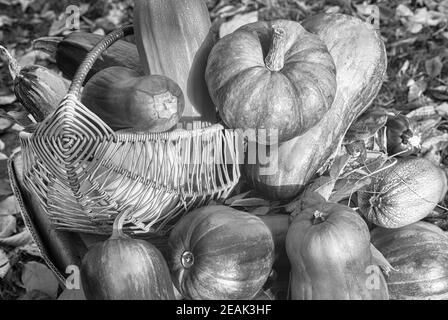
[{"x": 416, "y": 37}]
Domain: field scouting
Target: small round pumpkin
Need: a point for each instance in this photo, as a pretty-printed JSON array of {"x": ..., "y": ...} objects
[
  {"x": 122, "y": 268},
  {"x": 331, "y": 259},
  {"x": 273, "y": 76},
  {"x": 403, "y": 194},
  {"x": 401, "y": 140},
  {"x": 219, "y": 253},
  {"x": 418, "y": 253}
]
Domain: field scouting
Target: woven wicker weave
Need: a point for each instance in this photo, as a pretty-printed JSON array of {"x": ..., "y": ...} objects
[{"x": 85, "y": 174}]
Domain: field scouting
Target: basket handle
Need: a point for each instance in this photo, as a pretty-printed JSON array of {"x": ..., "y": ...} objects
[{"x": 93, "y": 55}]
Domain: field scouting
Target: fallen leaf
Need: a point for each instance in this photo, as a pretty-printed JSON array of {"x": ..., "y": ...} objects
[
  {"x": 5, "y": 124},
  {"x": 425, "y": 127},
  {"x": 428, "y": 17},
  {"x": 25, "y": 4},
  {"x": 430, "y": 4},
  {"x": 9, "y": 99},
  {"x": 414, "y": 28},
  {"x": 250, "y": 202},
  {"x": 338, "y": 165},
  {"x": 237, "y": 197},
  {"x": 17, "y": 127},
  {"x": 333, "y": 9},
  {"x": 443, "y": 7},
  {"x": 345, "y": 188},
  {"x": 434, "y": 67},
  {"x": 18, "y": 240},
  {"x": 403, "y": 11},
  {"x": 422, "y": 113},
  {"x": 357, "y": 150},
  {"x": 260, "y": 211},
  {"x": 236, "y": 22},
  {"x": 3, "y": 156},
  {"x": 404, "y": 68},
  {"x": 2, "y": 145},
  {"x": 436, "y": 143},
  {"x": 31, "y": 249},
  {"x": 116, "y": 14},
  {"x": 416, "y": 89},
  {"x": 9, "y": 206},
  {"x": 27, "y": 59},
  {"x": 367, "y": 125},
  {"x": 100, "y": 32},
  {"x": 4, "y": 264},
  {"x": 380, "y": 260},
  {"x": 5, "y": 21},
  {"x": 20, "y": 117},
  {"x": 442, "y": 110},
  {"x": 439, "y": 93},
  {"x": 58, "y": 26},
  {"x": 7, "y": 226},
  {"x": 37, "y": 277},
  {"x": 18, "y": 149}
]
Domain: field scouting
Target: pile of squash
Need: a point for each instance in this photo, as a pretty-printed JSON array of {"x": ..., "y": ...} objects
[{"x": 300, "y": 86}]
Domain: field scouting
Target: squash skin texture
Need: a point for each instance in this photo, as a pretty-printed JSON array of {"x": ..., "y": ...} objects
[
  {"x": 361, "y": 62},
  {"x": 330, "y": 260},
  {"x": 174, "y": 40},
  {"x": 418, "y": 252},
  {"x": 250, "y": 95},
  {"x": 403, "y": 194},
  {"x": 70, "y": 51},
  {"x": 39, "y": 90},
  {"x": 126, "y": 100},
  {"x": 233, "y": 254},
  {"x": 126, "y": 269}
]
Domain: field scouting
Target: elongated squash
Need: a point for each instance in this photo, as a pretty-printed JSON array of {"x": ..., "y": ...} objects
[
  {"x": 360, "y": 58},
  {"x": 70, "y": 51},
  {"x": 173, "y": 40},
  {"x": 126, "y": 100},
  {"x": 37, "y": 88}
]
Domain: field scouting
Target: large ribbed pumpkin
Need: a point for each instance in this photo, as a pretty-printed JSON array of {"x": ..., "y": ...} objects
[
  {"x": 219, "y": 253},
  {"x": 360, "y": 58},
  {"x": 329, "y": 249},
  {"x": 403, "y": 194},
  {"x": 122, "y": 268},
  {"x": 271, "y": 75},
  {"x": 419, "y": 253}
]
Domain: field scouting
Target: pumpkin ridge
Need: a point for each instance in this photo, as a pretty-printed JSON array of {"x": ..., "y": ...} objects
[
  {"x": 196, "y": 241},
  {"x": 219, "y": 250},
  {"x": 416, "y": 281}
]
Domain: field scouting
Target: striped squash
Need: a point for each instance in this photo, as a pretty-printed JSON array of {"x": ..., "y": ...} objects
[
  {"x": 219, "y": 253},
  {"x": 403, "y": 194},
  {"x": 418, "y": 252}
]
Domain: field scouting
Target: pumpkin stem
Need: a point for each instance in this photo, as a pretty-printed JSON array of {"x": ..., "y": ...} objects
[
  {"x": 319, "y": 217},
  {"x": 117, "y": 232},
  {"x": 275, "y": 60},
  {"x": 187, "y": 259},
  {"x": 14, "y": 68}
]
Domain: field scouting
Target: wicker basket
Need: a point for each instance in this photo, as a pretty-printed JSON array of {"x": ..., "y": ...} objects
[{"x": 84, "y": 174}]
